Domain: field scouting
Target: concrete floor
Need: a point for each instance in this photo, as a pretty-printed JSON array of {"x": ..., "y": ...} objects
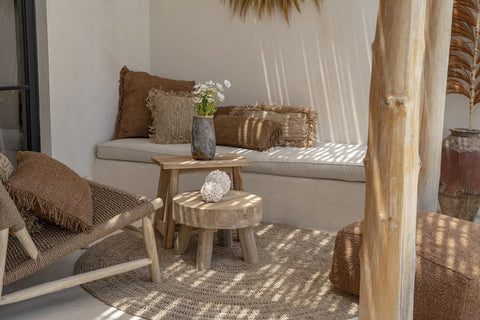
[{"x": 71, "y": 304}]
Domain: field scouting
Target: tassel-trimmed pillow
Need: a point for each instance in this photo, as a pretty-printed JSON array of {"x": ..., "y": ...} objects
[{"x": 52, "y": 191}]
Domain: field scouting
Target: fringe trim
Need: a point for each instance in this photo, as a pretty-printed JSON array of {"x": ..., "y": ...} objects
[
  {"x": 311, "y": 115},
  {"x": 48, "y": 211}
]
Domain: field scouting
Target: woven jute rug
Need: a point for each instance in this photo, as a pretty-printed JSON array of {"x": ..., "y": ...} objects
[{"x": 290, "y": 280}]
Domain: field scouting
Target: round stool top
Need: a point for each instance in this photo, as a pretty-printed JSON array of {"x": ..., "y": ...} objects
[{"x": 236, "y": 210}]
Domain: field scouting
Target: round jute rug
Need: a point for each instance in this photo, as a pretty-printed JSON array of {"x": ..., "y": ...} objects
[{"x": 290, "y": 280}]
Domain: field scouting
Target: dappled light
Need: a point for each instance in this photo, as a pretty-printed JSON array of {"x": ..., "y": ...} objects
[{"x": 290, "y": 281}]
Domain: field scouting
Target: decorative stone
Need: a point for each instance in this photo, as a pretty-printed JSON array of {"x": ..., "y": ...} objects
[
  {"x": 221, "y": 178},
  {"x": 212, "y": 192},
  {"x": 203, "y": 138}
]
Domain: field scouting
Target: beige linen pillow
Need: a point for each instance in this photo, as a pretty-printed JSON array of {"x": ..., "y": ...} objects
[
  {"x": 172, "y": 115},
  {"x": 6, "y": 168},
  {"x": 298, "y": 124}
]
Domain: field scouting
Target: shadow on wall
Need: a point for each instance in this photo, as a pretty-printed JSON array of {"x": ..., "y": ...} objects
[{"x": 319, "y": 60}]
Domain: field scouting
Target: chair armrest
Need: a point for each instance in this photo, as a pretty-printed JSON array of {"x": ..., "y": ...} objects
[{"x": 157, "y": 203}]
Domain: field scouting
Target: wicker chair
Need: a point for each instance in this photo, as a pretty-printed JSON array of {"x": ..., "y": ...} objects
[{"x": 22, "y": 254}]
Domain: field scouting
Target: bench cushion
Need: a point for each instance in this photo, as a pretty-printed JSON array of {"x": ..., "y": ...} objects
[{"x": 324, "y": 161}]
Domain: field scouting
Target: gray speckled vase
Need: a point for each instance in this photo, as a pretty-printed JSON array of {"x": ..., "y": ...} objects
[{"x": 203, "y": 138}]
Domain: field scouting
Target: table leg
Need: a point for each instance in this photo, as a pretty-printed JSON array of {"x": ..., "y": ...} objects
[
  {"x": 225, "y": 237},
  {"x": 181, "y": 243},
  {"x": 169, "y": 223},
  {"x": 237, "y": 178},
  {"x": 162, "y": 192},
  {"x": 204, "y": 250},
  {"x": 248, "y": 245}
]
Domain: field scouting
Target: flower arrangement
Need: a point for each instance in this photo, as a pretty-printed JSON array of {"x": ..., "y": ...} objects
[{"x": 208, "y": 95}]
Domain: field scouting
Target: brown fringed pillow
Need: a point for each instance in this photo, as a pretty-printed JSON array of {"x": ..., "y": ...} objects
[
  {"x": 248, "y": 133},
  {"x": 134, "y": 119},
  {"x": 51, "y": 190},
  {"x": 172, "y": 116},
  {"x": 298, "y": 124}
]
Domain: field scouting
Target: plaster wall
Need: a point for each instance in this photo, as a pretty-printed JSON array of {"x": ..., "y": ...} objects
[
  {"x": 88, "y": 43},
  {"x": 322, "y": 60}
]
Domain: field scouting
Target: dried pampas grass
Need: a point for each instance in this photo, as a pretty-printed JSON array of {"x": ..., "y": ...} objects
[{"x": 269, "y": 7}]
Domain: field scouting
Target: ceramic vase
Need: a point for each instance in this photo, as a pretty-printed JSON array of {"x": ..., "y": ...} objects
[
  {"x": 203, "y": 138},
  {"x": 459, "y": 192}
]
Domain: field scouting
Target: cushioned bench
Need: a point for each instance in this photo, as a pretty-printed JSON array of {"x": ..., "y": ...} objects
[{"x": 321, "y": 187}]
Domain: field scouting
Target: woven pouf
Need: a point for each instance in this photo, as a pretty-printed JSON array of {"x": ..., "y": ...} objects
[{"x": 447, "y": 282}]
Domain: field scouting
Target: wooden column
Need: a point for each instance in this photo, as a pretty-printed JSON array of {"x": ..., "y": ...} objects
[
  {"x": 392, "y": 164},
  {"x": 437, "y": 48}
]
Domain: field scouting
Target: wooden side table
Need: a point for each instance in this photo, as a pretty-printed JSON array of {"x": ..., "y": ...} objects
[
  {"x": 236, "y": 210},
  {"x": 173, "y": 166}
]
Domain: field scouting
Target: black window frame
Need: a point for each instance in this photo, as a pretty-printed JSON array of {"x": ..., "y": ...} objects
[{"x": 29, "y": 87}]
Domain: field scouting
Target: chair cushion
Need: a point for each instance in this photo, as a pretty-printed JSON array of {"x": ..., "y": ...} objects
[
  {"x": 447, "y": 277},
  {"x": 172, "y": 115},
  {"x": 248, "y": 133},
  {"x": 298, "y": 124},
  {"x": 52, "y": 190},
  {"x": 324, "y": 161},
  {"x": 134, "y": 118}
]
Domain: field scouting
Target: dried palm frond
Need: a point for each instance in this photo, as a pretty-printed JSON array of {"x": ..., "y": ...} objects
[
  {"x": 262, "y": 7},
  {"x": 464, "y": 61}
]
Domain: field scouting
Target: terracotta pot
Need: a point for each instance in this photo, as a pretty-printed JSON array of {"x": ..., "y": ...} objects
[
  {"x": 459, "y": 193},
  {"x": 203, "y": 138}
]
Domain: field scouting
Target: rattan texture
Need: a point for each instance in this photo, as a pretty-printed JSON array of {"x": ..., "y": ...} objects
[
  {"x": 289, "y": 282},
  {"x": 112, "y": 210}
]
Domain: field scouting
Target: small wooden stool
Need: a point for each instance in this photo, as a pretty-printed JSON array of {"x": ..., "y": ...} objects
[{"x": 237, "y": 210}]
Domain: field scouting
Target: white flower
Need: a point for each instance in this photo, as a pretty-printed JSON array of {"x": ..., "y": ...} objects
[
  {"x": 219, "y": 86},
  {"x": 220, "y": 96},
  {"x": 197, "y": 100},
  {"x": 227, "y": 83}
]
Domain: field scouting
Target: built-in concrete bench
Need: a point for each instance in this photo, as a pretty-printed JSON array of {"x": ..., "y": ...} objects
[{"x": 321, "y": 187}]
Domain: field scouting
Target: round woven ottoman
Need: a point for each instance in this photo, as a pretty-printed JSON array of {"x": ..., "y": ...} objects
[{"x": 447, "y": 277}]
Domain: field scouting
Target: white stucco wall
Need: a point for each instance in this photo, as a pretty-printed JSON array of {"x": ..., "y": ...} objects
[
  {"x": 88, "y": 43},
  {"x": 320, "y": 60}
]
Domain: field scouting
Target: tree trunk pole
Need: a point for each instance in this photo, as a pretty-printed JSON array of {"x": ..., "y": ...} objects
[
  {"x": 437, "y": 48},
  {"x": 392, "y": 164}
]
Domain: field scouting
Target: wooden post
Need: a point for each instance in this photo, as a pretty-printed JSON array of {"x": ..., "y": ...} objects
[
  {"x": 437, "y": 48},
  {"x": 392, "y": 165}
]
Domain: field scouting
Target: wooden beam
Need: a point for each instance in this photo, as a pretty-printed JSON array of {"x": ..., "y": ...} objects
[
  {"x": 437, "y": 48},
  {"x": 392, "y": 165}
]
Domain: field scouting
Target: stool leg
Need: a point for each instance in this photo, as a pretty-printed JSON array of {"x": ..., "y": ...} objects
[
  {"x": 204, "y": 250},
  {"x": 225, "y": 238},
  {"x": 181, "y": 243},
  {"x": 248, "y": 245}
]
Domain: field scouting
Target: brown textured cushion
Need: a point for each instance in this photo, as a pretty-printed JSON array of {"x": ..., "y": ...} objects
[
  {"x": 134, "y": 119},
  {"x": 6, "y": 168},
  {"x": 249, "y": 133},
  {"x": 298, "y": 124},
  {"x": 172, "y": 115},
  {"x": 447, "y": 277},
  {"x": 52, "y": 190},
  {"x": 9, "y": 215}
]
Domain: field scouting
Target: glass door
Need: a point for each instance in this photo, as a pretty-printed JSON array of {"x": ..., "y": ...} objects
[{"x": 19, "y": 117}]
